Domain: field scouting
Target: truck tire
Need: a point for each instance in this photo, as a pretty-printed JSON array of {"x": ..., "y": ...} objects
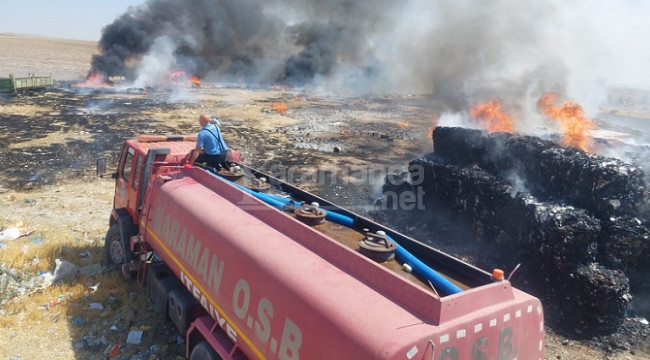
[
  {"x": 114, "y": 248},
  {"x": 203, "y": 351}
]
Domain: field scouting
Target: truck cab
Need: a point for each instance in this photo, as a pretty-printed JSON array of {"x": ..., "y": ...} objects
[{"x": 134, "y": 168}]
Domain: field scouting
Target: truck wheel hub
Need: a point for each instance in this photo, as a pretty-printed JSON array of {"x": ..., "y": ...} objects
[{"x": 117, "y": 253}]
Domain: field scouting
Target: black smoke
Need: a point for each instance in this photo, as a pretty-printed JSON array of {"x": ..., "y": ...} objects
[
  {"x": 462, "y": 51},
  {"x": 258, "y": 41}
]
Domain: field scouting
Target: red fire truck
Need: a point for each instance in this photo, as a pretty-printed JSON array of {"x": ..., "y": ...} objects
[{"x": 247, "y": 266}]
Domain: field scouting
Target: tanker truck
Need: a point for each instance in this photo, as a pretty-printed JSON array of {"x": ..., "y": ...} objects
[{"x": 248, "y": 266}]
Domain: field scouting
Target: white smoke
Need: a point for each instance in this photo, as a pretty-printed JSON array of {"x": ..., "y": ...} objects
[{"x": 156, "y": 65}]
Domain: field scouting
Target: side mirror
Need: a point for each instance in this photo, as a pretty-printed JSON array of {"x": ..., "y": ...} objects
[{"x": 101, "y": 167}]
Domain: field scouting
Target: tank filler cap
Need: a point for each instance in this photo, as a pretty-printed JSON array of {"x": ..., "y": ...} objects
[
  {"x": 310, "y": 214},
  {"x": 258, "y": 184},
  {"x": 377, "y": 247},
  {"x": 497, "y": 275}
]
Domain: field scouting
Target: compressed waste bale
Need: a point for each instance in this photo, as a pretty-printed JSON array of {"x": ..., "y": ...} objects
[
  {"x": 591, "y": 299},
  {"x": 516, "y": 218},
  {"x": 624, "y": 243},
  {"x": 604, "y": 186},
  {"x": 558, "y": 243}
]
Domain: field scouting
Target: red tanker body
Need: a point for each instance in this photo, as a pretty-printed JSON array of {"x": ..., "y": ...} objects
[{"x": 245, "y": 280}]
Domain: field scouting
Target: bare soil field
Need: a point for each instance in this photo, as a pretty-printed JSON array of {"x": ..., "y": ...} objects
[
  {"x": 22, "y": 55},
  {"x": 50, "y": 140}
]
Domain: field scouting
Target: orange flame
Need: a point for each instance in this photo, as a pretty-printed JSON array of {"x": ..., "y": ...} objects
[
  {"x": 496, "y": 120},
  {"x": 280, "y": 108},
  {"x": 280, "y": 87},
  {"x": 575, "y": 124},
  {"x": 95, "y": 80},
  {"x": 430, "y": 132},
  {"x": 181, "y": 78},
  {"x": 403, "y": 125}
]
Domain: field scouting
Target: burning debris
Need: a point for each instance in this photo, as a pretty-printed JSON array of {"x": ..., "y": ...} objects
[
  {"x": 494, "y": 117},
  {"x": 575, "y": 123},
  {"x": 605, "y": 186},
  {"x": 579, "y": 222}
]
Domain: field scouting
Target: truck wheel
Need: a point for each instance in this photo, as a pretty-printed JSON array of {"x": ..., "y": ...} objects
[
  {"x": 114, "y": 246},
  {"x": 203, "y": 351}
]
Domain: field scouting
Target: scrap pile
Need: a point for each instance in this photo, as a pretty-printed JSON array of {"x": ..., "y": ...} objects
[{"x": 578, "y": 221}]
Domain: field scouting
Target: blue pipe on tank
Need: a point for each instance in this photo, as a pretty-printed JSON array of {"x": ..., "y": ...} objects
[
  {"x": 439, "y": 282},
  {"x": 329, "y": 215}
]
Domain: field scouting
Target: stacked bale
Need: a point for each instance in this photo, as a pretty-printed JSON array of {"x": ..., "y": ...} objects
[
  {"x": 556, "y": 241},
  {"x": 612, "y": 190},
  {"x": 580, "y": 219},
  {"x": 604, "y": 186}
]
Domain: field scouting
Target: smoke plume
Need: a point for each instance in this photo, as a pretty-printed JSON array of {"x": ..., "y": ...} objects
[{"x": 462, "y": 51}]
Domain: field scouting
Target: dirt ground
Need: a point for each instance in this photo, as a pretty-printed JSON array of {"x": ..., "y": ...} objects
[{"x": 51, "y": 139}]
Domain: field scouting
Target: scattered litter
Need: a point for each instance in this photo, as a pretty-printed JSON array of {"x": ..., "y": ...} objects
[
  {"x": 10, "y": 234},
  {"x": 64, "y": 269},
  {"x": 643, "y": 321},
  {"x": 134, "y": 337},
  {"x": 92, "y": 287},
  {"x": 113, "y": 350},
  {"x": 45, "y": 279},
  {"x": 78, "y": 320},
  {"x": 153, "y": 349},
  {"x": 96, "y": 306},
  {"x": 37, "y": 240},
  {"x": 114, "y": 328},
  {"x": 55, "y": 302},
  {"x": 91, "y": 270}
]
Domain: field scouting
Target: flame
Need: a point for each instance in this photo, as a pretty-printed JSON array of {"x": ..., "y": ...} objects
[
  {"x": 280, "y": 87},
  {"x": 280, "y": 108},
  {"x": 491, "y": 112},
  {"x": 430, "y": 132},
  {"x": 575, "y": 124},
  {"x": 95, "y": 80},
  {"x": 403, "y": 125},
  {"x": 181, "y": 78}
]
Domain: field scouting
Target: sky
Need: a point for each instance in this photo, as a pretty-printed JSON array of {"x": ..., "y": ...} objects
[{"x": 68, "y": 19}]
